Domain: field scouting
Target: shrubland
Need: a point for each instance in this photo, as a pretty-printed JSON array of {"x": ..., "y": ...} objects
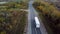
[
  {"x": 12, "y": 22},
  {"x": 51, "y": 13},
  {"x": 12, "y": 19},
  {"x": 15, "y": 5}
]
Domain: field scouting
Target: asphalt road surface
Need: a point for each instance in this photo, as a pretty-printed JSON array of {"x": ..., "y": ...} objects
[
  {"x": 31, "y": 23},
  {"x": 32, "y": 26}
]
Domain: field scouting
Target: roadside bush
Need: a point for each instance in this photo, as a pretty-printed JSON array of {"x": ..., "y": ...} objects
[
  {"x": 12, "y": 22},
  {"x": 48, "y": 9},
  {"x": 51, "y": 14}
]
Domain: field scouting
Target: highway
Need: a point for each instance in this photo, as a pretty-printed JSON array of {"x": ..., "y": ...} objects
[{"x": 31, "y": 26}]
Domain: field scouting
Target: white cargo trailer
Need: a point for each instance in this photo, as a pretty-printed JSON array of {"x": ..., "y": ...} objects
[{"x": 37, "y": 22}]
